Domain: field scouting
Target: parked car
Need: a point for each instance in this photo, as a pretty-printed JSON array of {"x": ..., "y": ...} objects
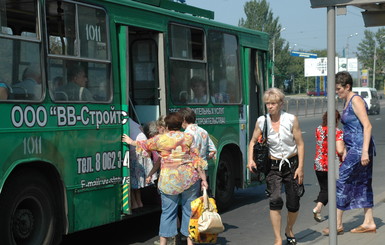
[
  {"x": 314, "y": 93},
  {"x": 370, "y": 96}
]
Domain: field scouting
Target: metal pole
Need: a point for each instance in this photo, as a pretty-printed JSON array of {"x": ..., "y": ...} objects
[
  {"x": 374, "y": 63},
  {"x": 331, "y": 44},
  {"x": 272, "y": 68},
  {"x": 347, "y": 50}
]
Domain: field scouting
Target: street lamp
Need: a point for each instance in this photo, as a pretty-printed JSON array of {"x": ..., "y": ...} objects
[
  {"x": 293, "y": 48},
  {"x": 347, "y": 49},
  {"x": 272, "y": 68},
  {"x": 374, "y": 60}
]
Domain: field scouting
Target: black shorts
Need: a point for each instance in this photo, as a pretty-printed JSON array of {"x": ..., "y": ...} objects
[{"x": 274, "y": 181}]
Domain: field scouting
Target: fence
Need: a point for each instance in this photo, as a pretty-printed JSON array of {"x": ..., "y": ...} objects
[{"x": 309, "y": 106}]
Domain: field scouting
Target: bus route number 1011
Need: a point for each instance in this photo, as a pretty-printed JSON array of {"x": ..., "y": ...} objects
[{"x": 32, "y": 145}]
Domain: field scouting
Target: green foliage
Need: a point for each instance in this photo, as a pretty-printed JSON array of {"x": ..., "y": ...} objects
[
  {"x": 373, "y": 41},
  {"x": 366, "y": 50},
  {"x": 260, "y": 17},
  {"x": 286, "y": 67}
]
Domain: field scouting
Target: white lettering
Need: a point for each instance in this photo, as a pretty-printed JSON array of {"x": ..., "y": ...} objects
[
  {"x": 71, "y": 115},
  {"x": 41, "y": 116},
  {"x": 84, "y": 112},
  {"x": 29, "y": 116},
  {"x": 17, "y": 113},
  {"x": 61, "y": 116},
  {"x": 93, "y": 33},
  {"x": 32, "y": 145},
  {"x": 66, "y": 116}
]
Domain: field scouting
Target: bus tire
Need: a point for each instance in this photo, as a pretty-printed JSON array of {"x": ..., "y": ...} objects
[
  {"x": 225, "y": 182},
  {"x": 27, "y": 211}
]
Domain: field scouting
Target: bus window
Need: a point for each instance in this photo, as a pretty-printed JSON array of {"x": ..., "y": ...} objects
[
  {"x": 70, "y": 80},
  {"x": 187, "y": 43},
  {"x": 188, "y": 80},
  {"x": 61, "y": 28},
  {"x": 20, "y": 48},
  {"x": 144, "y": 87},
  {"x": 69, "y": 23},
  {"x": 184, "y": 81},
  {"x": 92, "y": 31},
  {"x": 224, "y": 69},
  {"x": 18, "y": 16}
]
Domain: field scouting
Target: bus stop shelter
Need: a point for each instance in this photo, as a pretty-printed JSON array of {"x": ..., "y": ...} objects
[{"x": 373, "y": 15}]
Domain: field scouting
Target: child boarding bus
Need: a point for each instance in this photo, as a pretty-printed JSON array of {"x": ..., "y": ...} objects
[{"x": 74, "y": 73}]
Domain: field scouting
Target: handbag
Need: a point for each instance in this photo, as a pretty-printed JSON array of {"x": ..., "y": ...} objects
[
  {"x": 197, "y": 208},
  {"x": 261, "y": 152},
  {"x": 210, "y": 221}
]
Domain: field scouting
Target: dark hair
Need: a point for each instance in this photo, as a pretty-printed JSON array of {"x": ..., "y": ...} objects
[
  {"x": 188, "y": 114},
  {"x": 173, "y": 121},
  {"x": 74, "y": 70},
  {"x": 344, "y": 78},
  {"x": 197, "y": 80},
  {"x": 30, "y": 72},
  {"x": 325, "y": 118}
]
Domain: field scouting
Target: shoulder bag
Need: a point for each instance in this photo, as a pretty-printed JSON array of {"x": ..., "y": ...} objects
[
  {"x": 261, "y": 152},
  {"x": 197, "y": 209},
  {"x": 210, "y": 221}
]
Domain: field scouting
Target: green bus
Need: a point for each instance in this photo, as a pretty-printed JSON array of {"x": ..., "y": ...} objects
[{"x": 73, "y": 74}]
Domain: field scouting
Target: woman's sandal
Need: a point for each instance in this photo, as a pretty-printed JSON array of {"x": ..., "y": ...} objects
[
  {"x": 326, "y": 231},
  {"x": 290, "y": 240},
  {"x": 317, "y": 216},
  {"x": 361, "y": 229}
]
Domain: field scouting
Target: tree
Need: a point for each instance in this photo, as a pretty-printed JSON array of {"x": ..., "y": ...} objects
[
  {"x": 370, "y": 43},
  {"x": 366, "y": 50},
  {"x": 260, "y": 17}
]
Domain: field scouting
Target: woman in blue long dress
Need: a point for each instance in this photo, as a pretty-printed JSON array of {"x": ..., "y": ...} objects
[{"x": 354, "y": 186}]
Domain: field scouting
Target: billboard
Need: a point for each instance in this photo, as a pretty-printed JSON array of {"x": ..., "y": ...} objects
[
  {"x": 364, "y": 78},
  {"x": 318, "y": 67}
]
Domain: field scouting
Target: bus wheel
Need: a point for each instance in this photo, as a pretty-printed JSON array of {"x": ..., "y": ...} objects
[
  {"x": 27, "y": 211},
  {"x": 225, "y": 182}
]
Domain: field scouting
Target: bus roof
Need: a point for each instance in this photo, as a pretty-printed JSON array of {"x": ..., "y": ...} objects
[
  {"x": 186, "y": 12},
  {"x": 182, "y": 8}
]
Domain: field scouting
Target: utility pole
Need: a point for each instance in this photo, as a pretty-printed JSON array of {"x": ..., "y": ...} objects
[
  {"x": 273, "y": 58},
  {"x": 347, "y": 50},
  {"x": 375, "y": 61}
]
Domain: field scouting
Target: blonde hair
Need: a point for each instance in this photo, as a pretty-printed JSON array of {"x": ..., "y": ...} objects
[
  {"x": 160, "y": 122},
  {"x": 274, "y": 95}
]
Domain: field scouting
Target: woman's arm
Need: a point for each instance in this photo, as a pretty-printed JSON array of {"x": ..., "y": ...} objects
[
  {"x": 128, "y": 140},
  {"x": 340, "y": 147},
  {"x": 360, "y": 111},
  {"x": 340, "y": 144},
  {"x": 211, "y": 149},
  {"x": 257, "y": 132},
  {"x": 155, "y": 168},
  {"x": 297, "y": 133},
  {"x": 202, "y": 175}
]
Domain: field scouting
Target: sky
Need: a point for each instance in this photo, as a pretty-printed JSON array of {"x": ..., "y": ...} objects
[{"x": 305, "y": 27}]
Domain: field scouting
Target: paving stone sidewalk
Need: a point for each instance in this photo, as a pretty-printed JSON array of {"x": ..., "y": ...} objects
[{"x": 351, "y": 219}]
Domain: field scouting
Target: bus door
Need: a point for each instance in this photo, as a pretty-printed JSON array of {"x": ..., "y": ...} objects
[
  {"x": 142, "y": 82},
  {"x": 256, "y": 75}
]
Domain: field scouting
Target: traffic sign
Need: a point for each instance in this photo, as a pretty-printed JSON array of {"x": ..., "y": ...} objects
[{"x": 303, "y": 54}]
